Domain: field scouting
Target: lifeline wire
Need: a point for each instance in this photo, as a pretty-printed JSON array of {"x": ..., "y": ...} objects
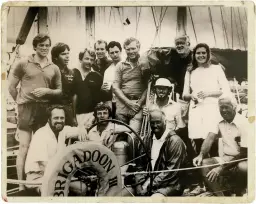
[
  {"x": 182, "y": 169},
  {"x": 34, "y": 183}
]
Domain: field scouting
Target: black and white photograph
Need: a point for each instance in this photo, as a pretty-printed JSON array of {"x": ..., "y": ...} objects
[{"x": 126, "y": 101}]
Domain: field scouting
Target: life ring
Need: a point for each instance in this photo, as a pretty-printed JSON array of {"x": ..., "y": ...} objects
[{"x": 98, "y": 158}]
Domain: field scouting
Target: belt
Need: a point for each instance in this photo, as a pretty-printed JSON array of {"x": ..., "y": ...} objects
[{"x": 132, "y": 97}]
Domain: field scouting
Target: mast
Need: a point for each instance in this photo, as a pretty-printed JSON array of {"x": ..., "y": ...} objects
[
  {"x": 181, "y": 20},
  {"x": 90, "y": 26},
  {"x": 42, "y": 20}
]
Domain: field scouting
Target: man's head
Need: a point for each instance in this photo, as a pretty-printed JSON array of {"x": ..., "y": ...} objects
[
  {"x": 100, "y": 48},
  {"x": 56, "y": 118},
  {"x": 163, "y": 87},
  {"x": 102, "y": 112},
  {"x": 132, "y": 48},
  {"x": 60, "y": 54},
  {"x": 114, "y": 50},
  {"x": 87, "y": 58},
  {"x": 182, "y": 44},
  {"x": 41, "y": 44},
  {"x": 157, "y": 121},
  {"x": 227, "y": 106}
]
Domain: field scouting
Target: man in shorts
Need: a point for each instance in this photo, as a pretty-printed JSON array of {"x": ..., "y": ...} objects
[
  {"x": 40, "y": 82},
  {"x": 233, "y": 132}
]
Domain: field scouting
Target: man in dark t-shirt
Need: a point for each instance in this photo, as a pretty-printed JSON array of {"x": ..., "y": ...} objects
[
  {"x": 87, "y": 86},
  {"x": 60, "y": 57}
]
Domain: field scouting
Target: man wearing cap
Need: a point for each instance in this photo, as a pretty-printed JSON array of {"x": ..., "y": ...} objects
[
  {"x": 163, "y": 88},
  {"x": 129, "y": 86}
]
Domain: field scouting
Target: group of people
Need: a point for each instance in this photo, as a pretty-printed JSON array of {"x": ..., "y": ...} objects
[{"x": 56, "y": 103}]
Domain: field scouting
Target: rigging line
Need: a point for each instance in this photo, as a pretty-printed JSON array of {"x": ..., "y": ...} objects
[
  {"x": 157, "y": 19},
  {"x": 210, "y": 15},
  {"x": 224, "y": 26},
  {"x": 232, "y": 37},
  {"x": 237, "y": 30},
  {"x": 245, "y": 14},
  {"x": 241, "y": 27},
  {"x": 121, "y": 19},
  {"x": 163, "y": 15},
  {"x": 154, "y": 16},
  {"x": 159, "y": 25},
  {"x": 137, "y": 22},
  {"x": 192, "y": 23},
  {"x": 110, "y": 16}
]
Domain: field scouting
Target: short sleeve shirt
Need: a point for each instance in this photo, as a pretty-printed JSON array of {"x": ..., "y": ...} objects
[
  {"x": 129, "y": 79},
  {"x": 87, "y": 90},
  {"x": 173, "y": 116},
  {"x": 234, "y": 136},
  {"x": 67, "y": 79},
  {"x": 31, "y": 76}
]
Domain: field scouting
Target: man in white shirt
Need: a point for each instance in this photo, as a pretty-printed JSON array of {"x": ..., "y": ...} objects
[
  {"x": 114, "y": 50},
  {"x": 47, "y": 141},
  {"x": 104, "y": 132},
  {"x": 167, "y": 151},
  {"x": 233, "y": 132}
]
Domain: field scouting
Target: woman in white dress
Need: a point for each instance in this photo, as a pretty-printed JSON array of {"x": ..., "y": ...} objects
[{"x": 203, "y": 85}]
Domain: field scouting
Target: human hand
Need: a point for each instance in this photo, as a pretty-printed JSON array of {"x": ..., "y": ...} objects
[
  {"x": 82, "y": 134},
  {"x": 105, "y": 86},
  {"x": 193, "y": 97},
  {"x": 140, "y": 191},
  {"x": 39, "y": 92},
  {"x": 197, "y": 161},
  {"x": 214, "y": 173},
  {"x": 108, "y": 138},
  {"x": 135, "y": 107},
  {"x": 202, "y": 94},
  {"x": 145, "y": 111},
  {"x": 75, "y": 123}
]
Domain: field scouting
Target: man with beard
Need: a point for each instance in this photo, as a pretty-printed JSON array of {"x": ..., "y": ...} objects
[
  {"x": 167, "y": 152},
  {"x": 104, "y": 132},
  {"x": 40, "y": 82},
  {"x": 60, "y": 57},
  {"x": 163, "y": 88},
  {"x": 87, "y": 89},
  {"x": 47, "y": 141},
  {"x": 233, "y": 131},
  {"x": 102, "y": 62},
  {"x": 129, "y": 86}
]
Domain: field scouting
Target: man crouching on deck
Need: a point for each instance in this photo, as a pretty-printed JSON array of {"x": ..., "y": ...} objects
[
  {"x": 46, "y": 142},
  {"x": 104, "y": 132},
  {"x": 167, "y": 152}
]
